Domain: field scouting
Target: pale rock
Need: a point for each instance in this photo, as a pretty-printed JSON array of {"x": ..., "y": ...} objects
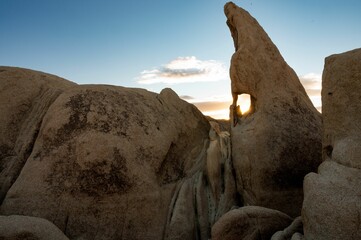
[
  {"x": 341, "y": 104},
  {"x": 288, "y": 233},
  {"x": 332, "y": 204},
  {"x": 251, "y": 223},
  {"x": 279, "y": 141}
]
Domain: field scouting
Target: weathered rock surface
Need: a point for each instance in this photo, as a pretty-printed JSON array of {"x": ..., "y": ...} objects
[
  {"x": 118, "y": 163},
  {"x": 251, "y": 223},
  {"x": 292, "y": 231},
  {"x": 24, "y": 227},
  {"x": 279, "y": 141},
  {"x": 341, "y": 104},
  {"x": 25, "y": 96},
  {"x": 297, "y": 236},
  {"x": 332, "y": 205}
]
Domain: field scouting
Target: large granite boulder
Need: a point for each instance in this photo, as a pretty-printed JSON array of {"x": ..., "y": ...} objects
[
  {"x": 332, "y": 205},
  {"x": 278, "y": 141},
  {"x": 251, "y": 223},
  {"x": 110, "y": 162},
  {"x": 25, "y": 96},
  {"x": 341, "y": 103}
]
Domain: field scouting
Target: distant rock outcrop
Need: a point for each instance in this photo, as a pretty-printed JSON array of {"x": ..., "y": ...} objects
[
  {"x": 107, "y": 162},
  {"x": 332, "y": 205},
  {"x": 279, "y": 141}
]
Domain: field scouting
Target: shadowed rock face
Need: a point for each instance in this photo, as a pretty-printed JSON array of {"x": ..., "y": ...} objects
[
  {"x": 108, "y": 162},
  {"x": 332, "y": 204},
  {"x": 279, "y": 141}
]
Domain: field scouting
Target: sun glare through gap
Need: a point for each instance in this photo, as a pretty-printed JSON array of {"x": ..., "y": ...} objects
[{"x": 244, "y": 101}]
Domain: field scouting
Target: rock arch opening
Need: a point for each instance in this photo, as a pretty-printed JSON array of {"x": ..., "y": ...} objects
[
  {"x": 243, "y": 105},
  {"x": 244, "y": 102}
]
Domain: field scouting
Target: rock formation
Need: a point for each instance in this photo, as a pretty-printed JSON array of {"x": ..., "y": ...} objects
[
  {"x": 218, "y": 153},
  {"x": 251, "y": 223},
  {"x": 23, "y": 227},
  {"x": 25, "y": 96},
  {"x": 332, "y": 205},
  {"x": 279, "y": 141},
  {"x": 107, "y": 162},
  {"x": 292, "y": 232}
]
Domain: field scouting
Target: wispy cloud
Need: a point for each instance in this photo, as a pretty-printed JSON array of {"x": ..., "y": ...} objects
[
  {"x": 185, "y": 70},
  {"x": 186, "y": 97},
  {"x": 313, "y": 83}
]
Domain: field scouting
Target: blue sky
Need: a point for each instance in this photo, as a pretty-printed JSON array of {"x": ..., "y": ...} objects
[{"x": 148, "y": 44}]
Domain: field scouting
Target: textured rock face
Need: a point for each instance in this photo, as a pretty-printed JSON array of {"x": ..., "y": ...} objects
[
  {"x": 341, "y": 104},
  {"x": 251, "y": 223},
  {"x": 118, "y": 163},
  {"x": 25, "y": 96},
  {"x": 294, "y": 231},
  {"x": 332, "y": 205},
  {"x": 279, "y": 141},
  {"x": 23, "y": 227}
]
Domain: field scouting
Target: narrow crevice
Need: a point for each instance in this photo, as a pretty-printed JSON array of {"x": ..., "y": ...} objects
[
  {"x": 66, "y": 224},
  {"x": 223, "y": 182},
  {"x": 239, "y": 197},
  {"x": 328, "y": 151},
  {"x": 159, "y": 99},
  {"x": 196, "y": 215},
  {"x": 171, "y": 208}
]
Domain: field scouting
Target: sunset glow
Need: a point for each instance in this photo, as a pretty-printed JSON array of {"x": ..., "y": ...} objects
[
  {"x": 218, "y": 108},
  {"x": 244, "y": 101}
]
